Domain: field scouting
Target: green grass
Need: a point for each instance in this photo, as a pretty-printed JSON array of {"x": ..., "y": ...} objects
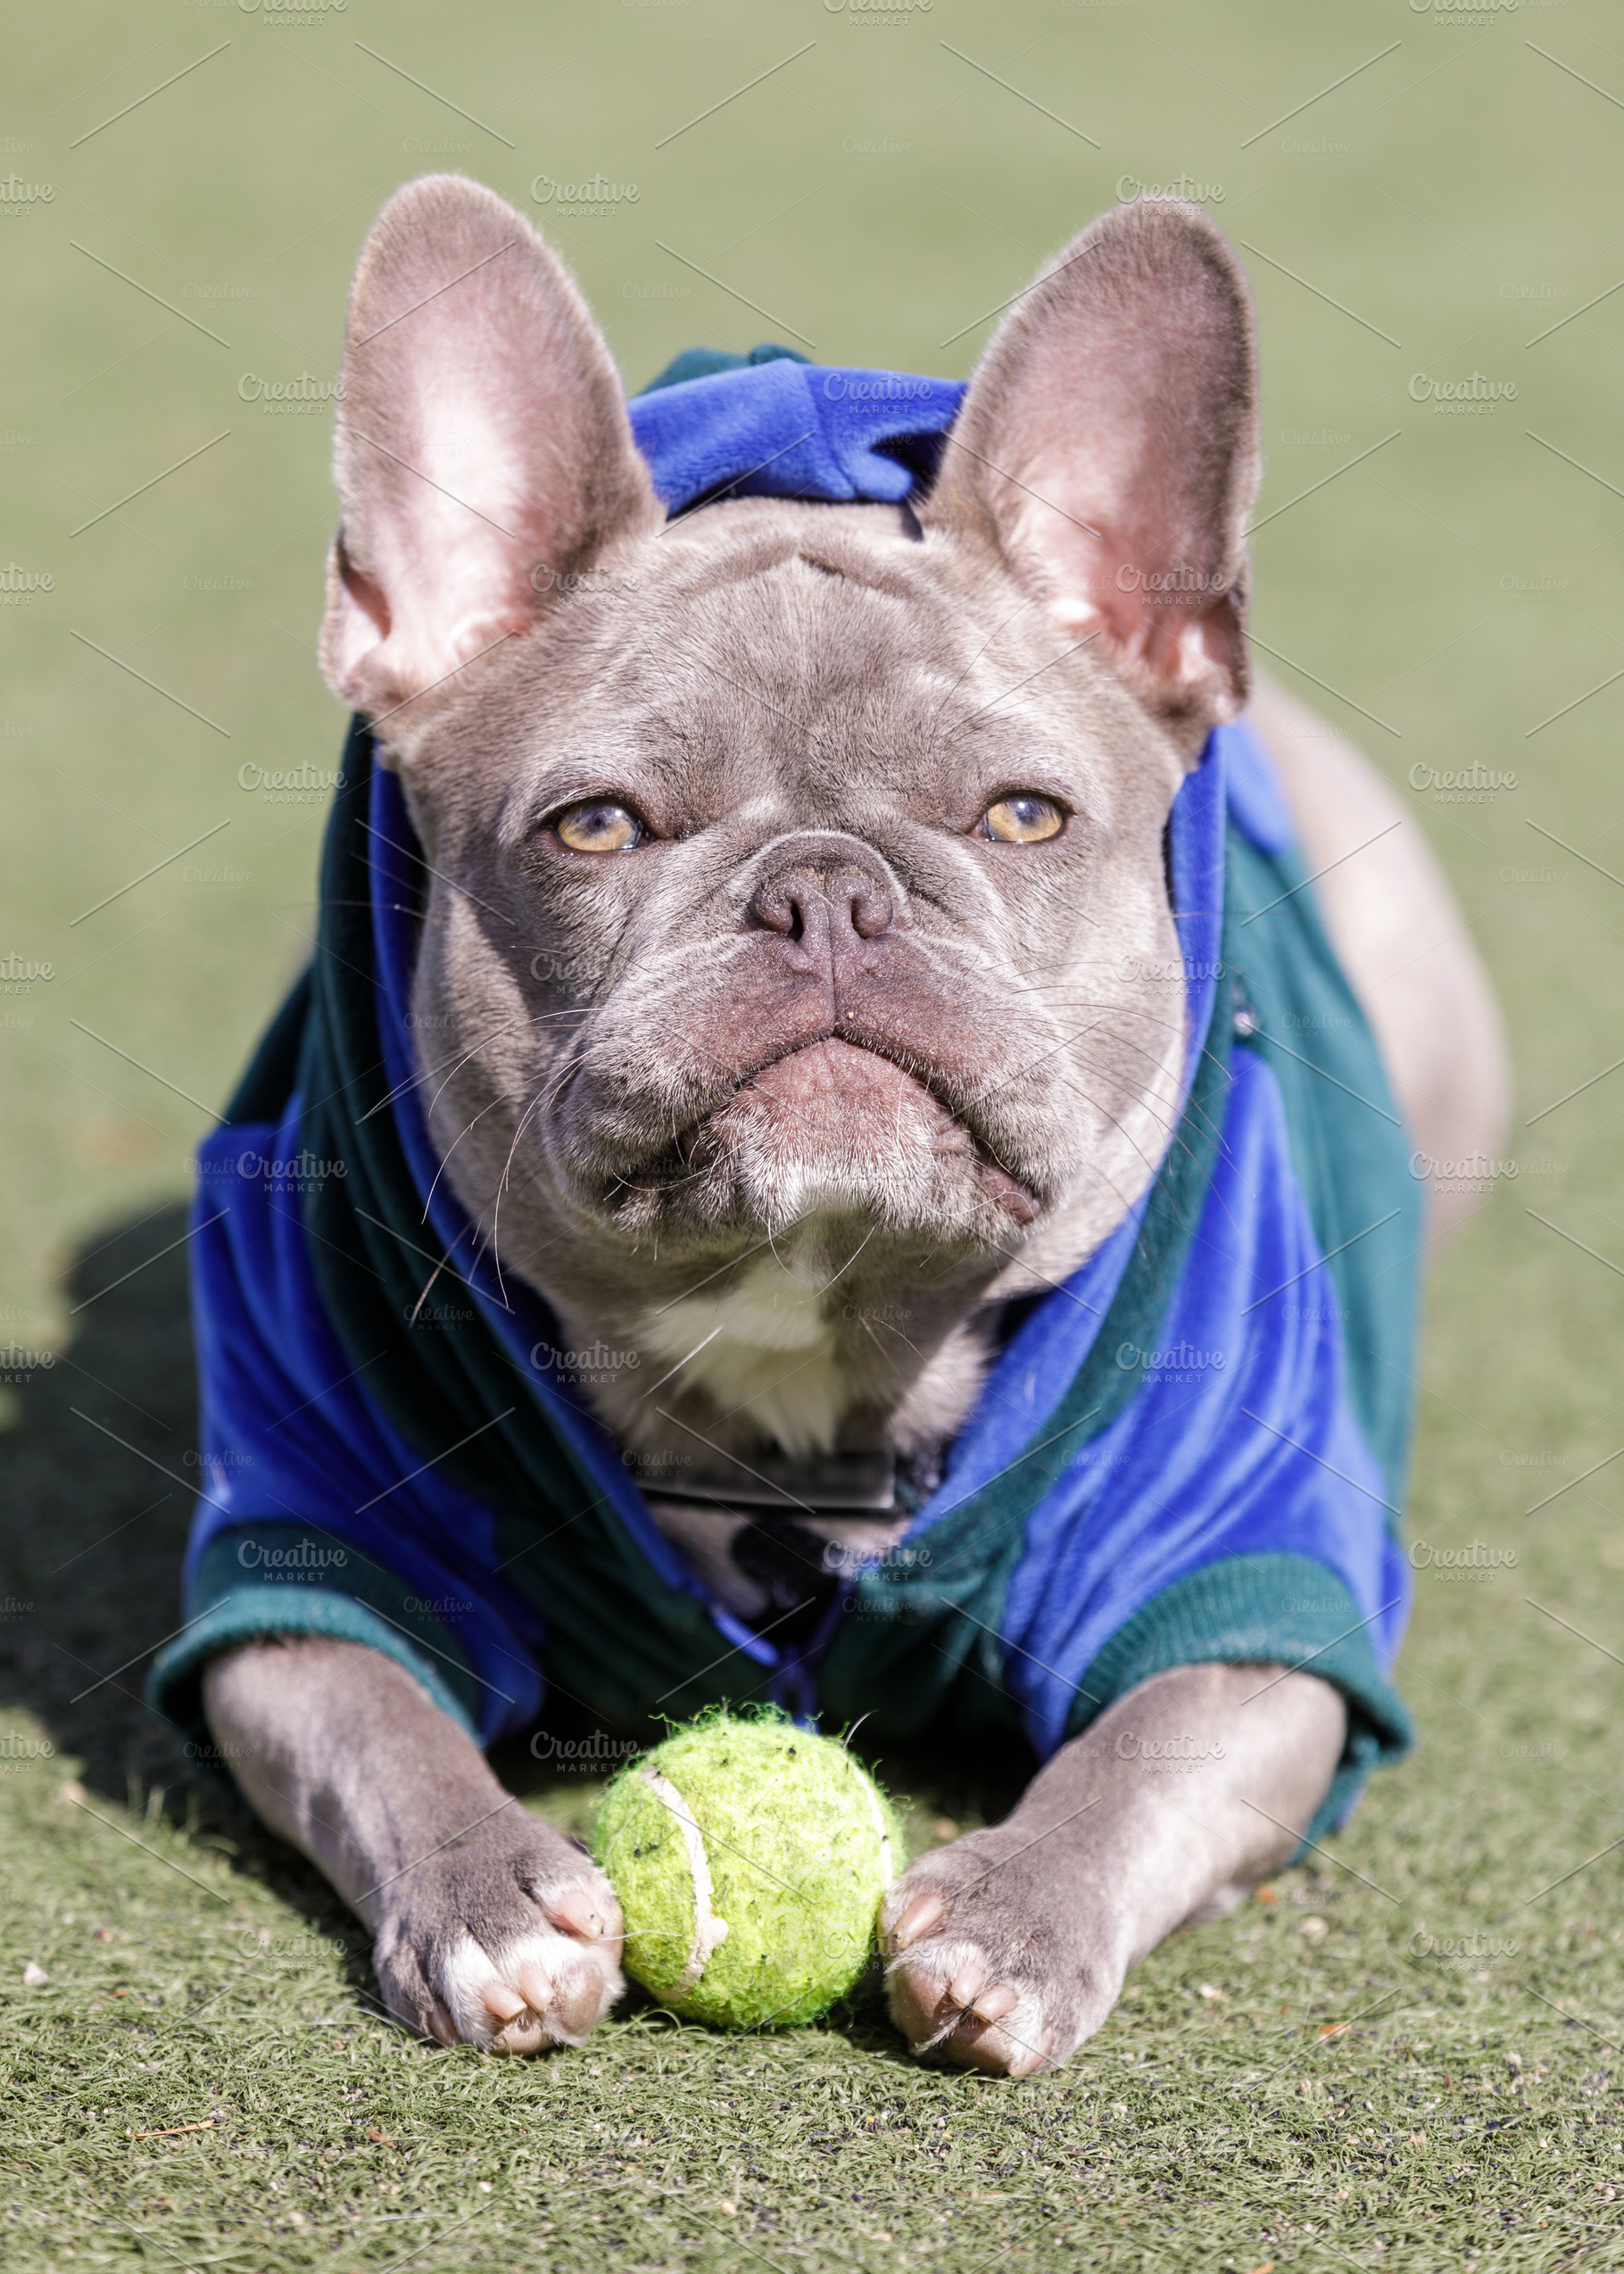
[{"x": 1357, "y": 2091}]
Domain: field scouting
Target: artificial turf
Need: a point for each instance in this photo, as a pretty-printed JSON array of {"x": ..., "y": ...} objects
[{"x": 1407, "y": 2057}]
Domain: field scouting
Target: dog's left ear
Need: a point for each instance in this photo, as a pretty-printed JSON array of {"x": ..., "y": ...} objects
[{"x": 1108, "y": 449}]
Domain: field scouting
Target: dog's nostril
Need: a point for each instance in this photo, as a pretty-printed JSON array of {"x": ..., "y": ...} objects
[
  {"x": 811, "y": 897},
  {"x": 869, "y": 908}
]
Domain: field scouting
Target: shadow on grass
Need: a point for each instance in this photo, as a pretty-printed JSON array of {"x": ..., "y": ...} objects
[{"x": 97, "y": 1474}]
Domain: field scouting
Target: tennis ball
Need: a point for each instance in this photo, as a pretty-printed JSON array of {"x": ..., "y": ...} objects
[{"x": 751, "y": 1860}]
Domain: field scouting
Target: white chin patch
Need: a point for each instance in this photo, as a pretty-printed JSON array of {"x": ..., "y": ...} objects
[{"x": 765, "y": 1343}]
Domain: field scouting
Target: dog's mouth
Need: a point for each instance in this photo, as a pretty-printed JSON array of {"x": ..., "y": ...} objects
[{"x": 846, "y": 1113}]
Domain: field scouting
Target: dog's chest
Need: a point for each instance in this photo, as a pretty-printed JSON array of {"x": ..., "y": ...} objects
[
  {"x": 774, "y": 1538},
  {"x": 772, "y": 1534},
  {"x": 775, "y": 1567}
]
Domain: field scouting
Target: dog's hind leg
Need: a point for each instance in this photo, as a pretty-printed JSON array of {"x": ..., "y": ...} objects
[{"x": 1404, "y": 942}]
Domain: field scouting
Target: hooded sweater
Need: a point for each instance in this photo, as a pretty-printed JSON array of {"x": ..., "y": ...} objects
[{"x": 1195, "y": 1450}]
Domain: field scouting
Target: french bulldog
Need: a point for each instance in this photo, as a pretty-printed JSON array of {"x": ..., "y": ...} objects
[{"x": 845, "y": 824}]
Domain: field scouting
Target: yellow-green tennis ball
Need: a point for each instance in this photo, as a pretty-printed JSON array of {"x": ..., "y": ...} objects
[{"x": 751, "y": 1860}]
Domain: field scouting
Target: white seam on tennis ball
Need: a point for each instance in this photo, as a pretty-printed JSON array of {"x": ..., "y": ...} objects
[
  {"x": 709, "y": 1930},
  {"x": 878, "y": 1814}
]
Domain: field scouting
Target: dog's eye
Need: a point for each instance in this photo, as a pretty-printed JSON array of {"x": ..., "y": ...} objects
[
  {"x": 598, "y": 825},
  {"x": 1024, "y": 819}
]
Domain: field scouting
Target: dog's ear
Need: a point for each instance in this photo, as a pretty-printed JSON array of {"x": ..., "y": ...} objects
[
  {"x": 483, "y": 451},
  {"x": 1108, "y": 449}
]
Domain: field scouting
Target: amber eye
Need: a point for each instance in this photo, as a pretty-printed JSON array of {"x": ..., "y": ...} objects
[
  {"x": 597, "y": 826},
  {"x": 1024, "y": 819}
]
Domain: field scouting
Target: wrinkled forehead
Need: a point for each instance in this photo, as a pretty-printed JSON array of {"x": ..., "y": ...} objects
[
  {"x": 801, "y": 563},
  {"x": 845, "y": 624},
  {"x": 835, "y": 656}
]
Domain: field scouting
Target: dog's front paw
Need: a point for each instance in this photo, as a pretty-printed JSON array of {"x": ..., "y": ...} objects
[
  {"x": 508, "y": 1938},
  {"x": 994, "y": 1957}
]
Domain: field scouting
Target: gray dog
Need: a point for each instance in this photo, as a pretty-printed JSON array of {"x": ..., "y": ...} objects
[{"x": 846, "y": 828}]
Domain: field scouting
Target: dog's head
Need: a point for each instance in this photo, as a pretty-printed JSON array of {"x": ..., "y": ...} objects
[{"x": 798, "y": 968}]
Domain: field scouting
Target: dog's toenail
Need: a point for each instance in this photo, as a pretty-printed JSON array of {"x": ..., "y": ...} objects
[
  {"x": 923, "y": 1916},
  {"x": 575, "y": 1909},
  {"x": 504, "y": 2002},
  {"x": 992, "y": 2004},
  {"x": 1031, "y": 2061},
  {"x": 540, "y": 1989},
  {"x": 965, "y": 1984}
]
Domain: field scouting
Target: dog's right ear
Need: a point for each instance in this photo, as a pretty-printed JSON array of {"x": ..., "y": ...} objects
[{"x": 482, "y": 455}]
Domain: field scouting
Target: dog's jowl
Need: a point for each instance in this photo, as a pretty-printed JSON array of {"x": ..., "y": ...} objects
[{"x": 829, "y": 1151}]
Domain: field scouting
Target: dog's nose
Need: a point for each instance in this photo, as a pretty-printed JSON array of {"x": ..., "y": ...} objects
[{"x": 824, "y": 889}]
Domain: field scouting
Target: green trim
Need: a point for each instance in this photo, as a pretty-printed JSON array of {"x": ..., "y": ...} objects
[
  {"x": 1348, "y": 1146},
  {"x": 909, "y": 1643},
  {"x": 619, "y": 1639},
  {"x": 705, "y": 362},
  {"x": 1263, "y": 1610},
  {"x": 370, "y": 1605}
]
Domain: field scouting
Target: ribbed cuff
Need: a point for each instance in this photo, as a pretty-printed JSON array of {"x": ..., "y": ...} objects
[
  {"x": 232, "y": 1603},
  {"x": 1267, "y": 1610}
]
